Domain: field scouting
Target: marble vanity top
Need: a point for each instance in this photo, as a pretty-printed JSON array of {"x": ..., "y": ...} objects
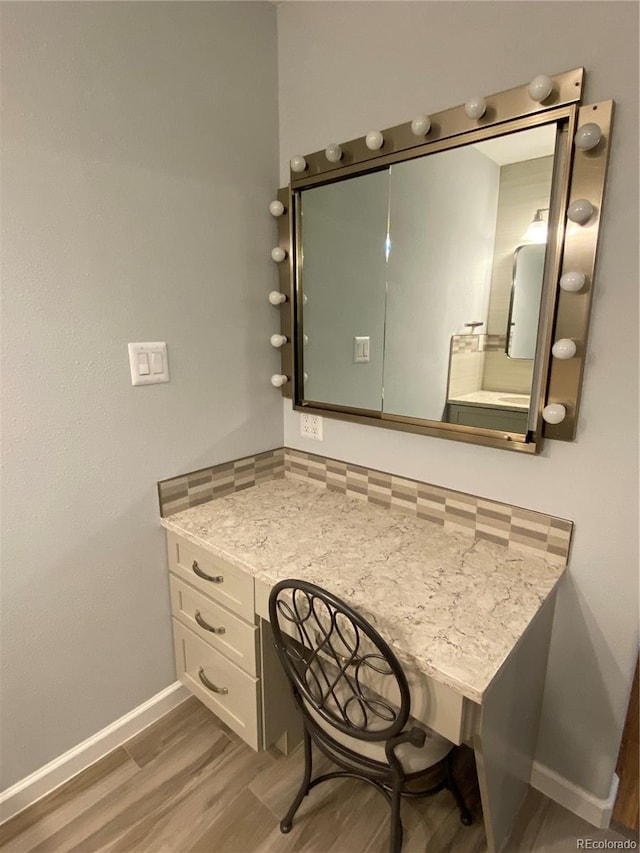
[
  {"x": 494, "y": 399},
  {"x": 449, "y": 605}
]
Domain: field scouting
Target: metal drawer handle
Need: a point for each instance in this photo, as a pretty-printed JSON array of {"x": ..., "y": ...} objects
[
  {"x": 206, "y": 625},
  {"x": 205, "y": 577},
  {"x": 209, "y": 685}
]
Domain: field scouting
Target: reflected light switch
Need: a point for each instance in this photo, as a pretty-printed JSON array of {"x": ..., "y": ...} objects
[
  {"x": 361, "y": 348},
  {"x": 148, "y": 363}
]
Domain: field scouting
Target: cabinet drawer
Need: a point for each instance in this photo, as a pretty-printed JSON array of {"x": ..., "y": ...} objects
[
  {"x": 229, "y": 585},
  {"x": 215, "y": 625},
  {"x": 205, "y": 671}
]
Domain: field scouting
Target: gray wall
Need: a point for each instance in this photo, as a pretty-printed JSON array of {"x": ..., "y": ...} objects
[
  {"x": 139, "y": 156},
  {"x": 348, "y": 67},
  {"x": 344, "y": 228}
]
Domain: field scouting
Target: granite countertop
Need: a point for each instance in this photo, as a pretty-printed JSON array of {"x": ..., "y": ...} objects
[
  {"x": 494, "y": 399},
  {"x": 448, "y": 605}
]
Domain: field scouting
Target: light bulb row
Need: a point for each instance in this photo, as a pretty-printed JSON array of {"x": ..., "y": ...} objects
[
  {"x": 580, "y": 211},
  {"x": 276, "y": 298},
  {"x": 540, "y": 88}
]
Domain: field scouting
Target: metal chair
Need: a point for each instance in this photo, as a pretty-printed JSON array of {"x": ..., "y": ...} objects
[{"x": 355, "y": 702}]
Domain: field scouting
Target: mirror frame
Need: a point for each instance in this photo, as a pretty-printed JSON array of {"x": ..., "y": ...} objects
[{"x": 578, "y": 174}]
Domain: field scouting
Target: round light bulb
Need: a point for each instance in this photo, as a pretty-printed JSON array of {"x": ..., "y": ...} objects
[
  {"x": 279, "y": 379},
  {"x": 554, "y": 413},
  {"x": 564, "y": 348},
  {"x": 540, "y": 88},
  {"x": 572, "y": 282},
  {"x": 333, "y": 153},
  {"x": 278, "y": 341},
  {"x": 421, "y": 125},
  {"x": 298, "y": 163},
  {"x": 580, "y": 211},
  {"x": 475, "y": 107},
  {"x": 374, "y": 140},
  {"x": 588, "y": 136},
  {"x": 278, "y": 254},
  {"x": 276, "y": 208},
  {"x": 277, "y": 298}
]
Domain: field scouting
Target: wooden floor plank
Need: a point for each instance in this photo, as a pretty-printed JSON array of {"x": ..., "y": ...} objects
[
  {"x": 176, "y": 821},
  {"x": 171, "y": 729},
  {"x": 561, "y": 829},
  {"x": 244, "y": 824},
  {"x": 117, "y": 812},
  {"x": 199, "y": 789},
  {"x": 336, "y": 817},
  {"x": 277, "y": 784},
  {"x": 56, "y": 810}
]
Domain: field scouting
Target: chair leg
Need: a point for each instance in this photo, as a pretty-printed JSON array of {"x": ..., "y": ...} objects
[
  {"x": 465, "y": 814},
  {"x": 303, "y": 790},
  {"x": 395, "y": 842}
]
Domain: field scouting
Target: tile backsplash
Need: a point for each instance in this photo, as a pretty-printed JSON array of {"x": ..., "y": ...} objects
[
  {"x": 522, "y": 530},
  {"x": 198, "y": 487}
]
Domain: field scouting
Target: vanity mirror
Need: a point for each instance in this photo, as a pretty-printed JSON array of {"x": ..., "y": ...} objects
[{"x": 420, "y": 295}]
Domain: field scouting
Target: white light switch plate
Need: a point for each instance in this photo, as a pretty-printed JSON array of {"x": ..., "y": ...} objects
[
  {"x": 148, "y": 363},
  {"x": 361, "y": 347}
]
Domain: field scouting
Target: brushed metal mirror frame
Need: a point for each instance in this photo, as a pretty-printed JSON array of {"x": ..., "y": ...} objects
[{"x": 577, "y": 174}]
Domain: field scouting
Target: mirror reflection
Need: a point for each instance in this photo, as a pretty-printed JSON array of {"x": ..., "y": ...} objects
[
  {"x": 421, "y": 283},
  {"x": 524, "y": 307}
]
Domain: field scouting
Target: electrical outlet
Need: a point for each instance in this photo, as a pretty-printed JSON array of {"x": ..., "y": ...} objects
[{"x": 311, "y": 426}]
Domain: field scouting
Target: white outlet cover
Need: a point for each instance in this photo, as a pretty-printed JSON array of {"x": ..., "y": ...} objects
[
  {"x": 311, "y": 427},
  {"x": 148, "y": 363}
]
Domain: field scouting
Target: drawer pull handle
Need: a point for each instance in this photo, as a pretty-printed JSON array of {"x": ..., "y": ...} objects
[
  {"x": 209, "y": 685},
  {"x": 205, "y": 577},
  {"x": 206, "y": 625}
]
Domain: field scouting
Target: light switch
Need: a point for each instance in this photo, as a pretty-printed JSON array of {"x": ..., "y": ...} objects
[
  {"x": 361, "y": 349},
  {"x": 157, "y": 365},
  {"x": 148, "y": 363},
  {"x": 143, "y": 364}
]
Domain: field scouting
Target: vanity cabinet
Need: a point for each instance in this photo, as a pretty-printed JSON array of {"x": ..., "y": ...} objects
[
  {"x": 486, "y": 417},
  {"x": 216, "y": 640}
]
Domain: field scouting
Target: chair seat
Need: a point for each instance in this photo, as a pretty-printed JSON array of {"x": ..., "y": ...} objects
[{"x": 413, "y": 759}]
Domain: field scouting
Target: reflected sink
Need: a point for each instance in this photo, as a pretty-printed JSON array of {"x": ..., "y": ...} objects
[{"x": 520, "y": 399}]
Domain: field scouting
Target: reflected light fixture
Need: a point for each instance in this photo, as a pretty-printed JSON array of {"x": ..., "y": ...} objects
[{"x": 537, "y": 230}]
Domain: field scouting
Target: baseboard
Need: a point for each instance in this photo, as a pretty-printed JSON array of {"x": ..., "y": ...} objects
[
  {"x": 597, "y": 811},
  {"x": 70, "y": 763}
]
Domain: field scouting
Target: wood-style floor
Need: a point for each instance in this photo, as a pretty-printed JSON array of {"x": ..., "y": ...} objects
[{"x": 188, "y": 783}]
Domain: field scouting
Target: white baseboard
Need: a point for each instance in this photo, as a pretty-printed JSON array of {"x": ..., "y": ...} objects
[
  {"x": 597, "y": 811},
  {"x": 25, "y": 792}
]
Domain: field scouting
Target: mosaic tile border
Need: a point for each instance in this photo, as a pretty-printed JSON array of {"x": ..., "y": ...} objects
[
  {"x": 495, "y": 343},
  {"x": 198, "y": 487},
  {"x": 522, "y": 530},
  {"x": 467, "y": 343}
]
